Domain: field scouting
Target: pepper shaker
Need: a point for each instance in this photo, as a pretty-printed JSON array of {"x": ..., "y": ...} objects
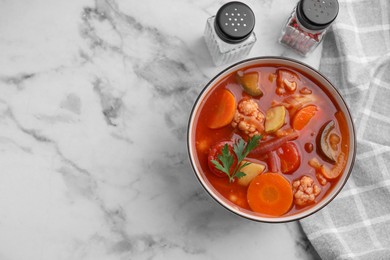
[
  {"x": 229, "y": 34},
  {"x": 308, "y": 23}
]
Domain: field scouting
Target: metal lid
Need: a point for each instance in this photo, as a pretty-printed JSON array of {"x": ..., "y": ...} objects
[
  {"x": 234, "y": 22},
  {"x": 317, "y": 14}
]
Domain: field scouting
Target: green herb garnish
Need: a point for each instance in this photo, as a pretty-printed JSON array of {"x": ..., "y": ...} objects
[{"x": 241, "y": 150}]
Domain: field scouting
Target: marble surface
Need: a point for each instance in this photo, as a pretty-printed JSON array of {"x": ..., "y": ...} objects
[{"x": 94, "y": 102}]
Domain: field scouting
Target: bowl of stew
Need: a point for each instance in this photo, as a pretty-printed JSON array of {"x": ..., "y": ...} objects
[{"x": 271, "y": 139}]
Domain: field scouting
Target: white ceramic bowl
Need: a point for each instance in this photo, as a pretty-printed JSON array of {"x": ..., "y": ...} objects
[{"x": 305, "y": 69}]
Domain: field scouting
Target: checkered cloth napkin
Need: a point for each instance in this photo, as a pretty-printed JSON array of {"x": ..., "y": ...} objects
[{"x": 356, "y": 58}]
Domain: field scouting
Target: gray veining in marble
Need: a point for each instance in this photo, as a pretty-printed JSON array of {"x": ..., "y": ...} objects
[{"x": 94, "y": 102}]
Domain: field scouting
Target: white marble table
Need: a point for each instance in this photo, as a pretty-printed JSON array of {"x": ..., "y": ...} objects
[{"x": 94, "y": 103}]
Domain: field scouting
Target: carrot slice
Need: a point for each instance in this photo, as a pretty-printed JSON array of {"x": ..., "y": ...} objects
[
  {"x": 303, "y": 116},
  {"x": 270, "y": 193},
  {"x": 224, "y": 111}
]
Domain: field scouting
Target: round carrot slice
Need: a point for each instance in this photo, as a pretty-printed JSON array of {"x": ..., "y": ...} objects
[
  {"x": 224, "y": 111},
  {"x": 303, "y": 116},
  {"x": 270, "y": 193}
]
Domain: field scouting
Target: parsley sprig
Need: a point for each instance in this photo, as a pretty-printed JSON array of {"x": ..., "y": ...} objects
[{"x": 241, "y": 150}]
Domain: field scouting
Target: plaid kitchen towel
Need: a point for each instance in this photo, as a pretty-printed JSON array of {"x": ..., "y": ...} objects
[{"x": 356, "y": 58}]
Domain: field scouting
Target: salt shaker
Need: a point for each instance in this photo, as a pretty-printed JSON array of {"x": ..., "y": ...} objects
[
  {"x": 308, "y": 23},
  {"x": 229, "y": 34}
]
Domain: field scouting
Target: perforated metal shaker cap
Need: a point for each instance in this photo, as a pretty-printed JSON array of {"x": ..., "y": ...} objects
[
  {"x": 317, "y": 14},
  {"x": 234, "y": 22}
]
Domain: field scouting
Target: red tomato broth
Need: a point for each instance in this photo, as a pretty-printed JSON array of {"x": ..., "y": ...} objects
[{"x": 327, "y": 109}]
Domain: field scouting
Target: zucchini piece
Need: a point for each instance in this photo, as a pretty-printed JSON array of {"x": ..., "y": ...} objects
[
  {"x": 274, "y": 118},
  {"x": 250, "y": 83},
  {"x": 251, "y": 171}
]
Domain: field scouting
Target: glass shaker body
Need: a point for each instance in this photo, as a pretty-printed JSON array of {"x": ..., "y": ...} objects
[
  {"x": 297, "y": 37},
  {"x": 223, "y": 52},
  {"x": 307, "y": 24},
  {"x": 229, "y": 35}
]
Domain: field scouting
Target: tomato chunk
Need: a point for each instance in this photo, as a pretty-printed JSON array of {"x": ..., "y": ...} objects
[
  {"x": 289, "y": 157},
  {"x": 213, "y": 155}
]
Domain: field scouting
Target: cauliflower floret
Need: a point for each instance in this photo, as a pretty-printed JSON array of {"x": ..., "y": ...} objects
[
  {"x": 305, "y": 191},
  {"x": 248, "y": 117}
]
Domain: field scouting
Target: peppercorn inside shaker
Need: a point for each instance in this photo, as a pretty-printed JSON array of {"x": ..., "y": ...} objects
[
  {"x": 308, "y": 23},
  {"x": 229, "y": 34}
]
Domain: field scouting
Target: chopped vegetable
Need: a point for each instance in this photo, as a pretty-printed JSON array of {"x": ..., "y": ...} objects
[
  {"x": 270, "y": 193},
  {"x": 305, "y": 191},
  {"x": 295, "y": 102},
  {"x": 248, "y": 117},
  {"x": 251, "y": 171},
  {"x": 284, "y": 132},
  {"x": 289, "y": 157},
  {"x": 336, "y": 170},
  {"x": 287, "y": 74},
  {"x": 224, "y": 111},
  {"x": 274, "y": 118},
  {"x": 286, "y": 81},
  {"x": 334, "y": 140},
  {"x": 321, "y": 179},
  {"x": 328, "y": 173},
  {"x": 226, "y": 158},
  {"x": 303, "y": 116},
  {"x": 273, "y": 144},
  {"x": 324, "y": 147},
  {"x": 271, "y": 77},
  {"x": 280, "y": 91},
  {"x": 315, "y": 163},
  {"x": 289, "y": 86},
  {"x": 272, "y": 161},
  {"x": 250, "y": 82}
]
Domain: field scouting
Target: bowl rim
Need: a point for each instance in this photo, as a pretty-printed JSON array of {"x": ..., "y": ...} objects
[{"x": 281, "y": 219}]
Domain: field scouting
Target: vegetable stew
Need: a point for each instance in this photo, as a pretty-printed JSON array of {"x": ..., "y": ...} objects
[{"x": 271, "y": 140}]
